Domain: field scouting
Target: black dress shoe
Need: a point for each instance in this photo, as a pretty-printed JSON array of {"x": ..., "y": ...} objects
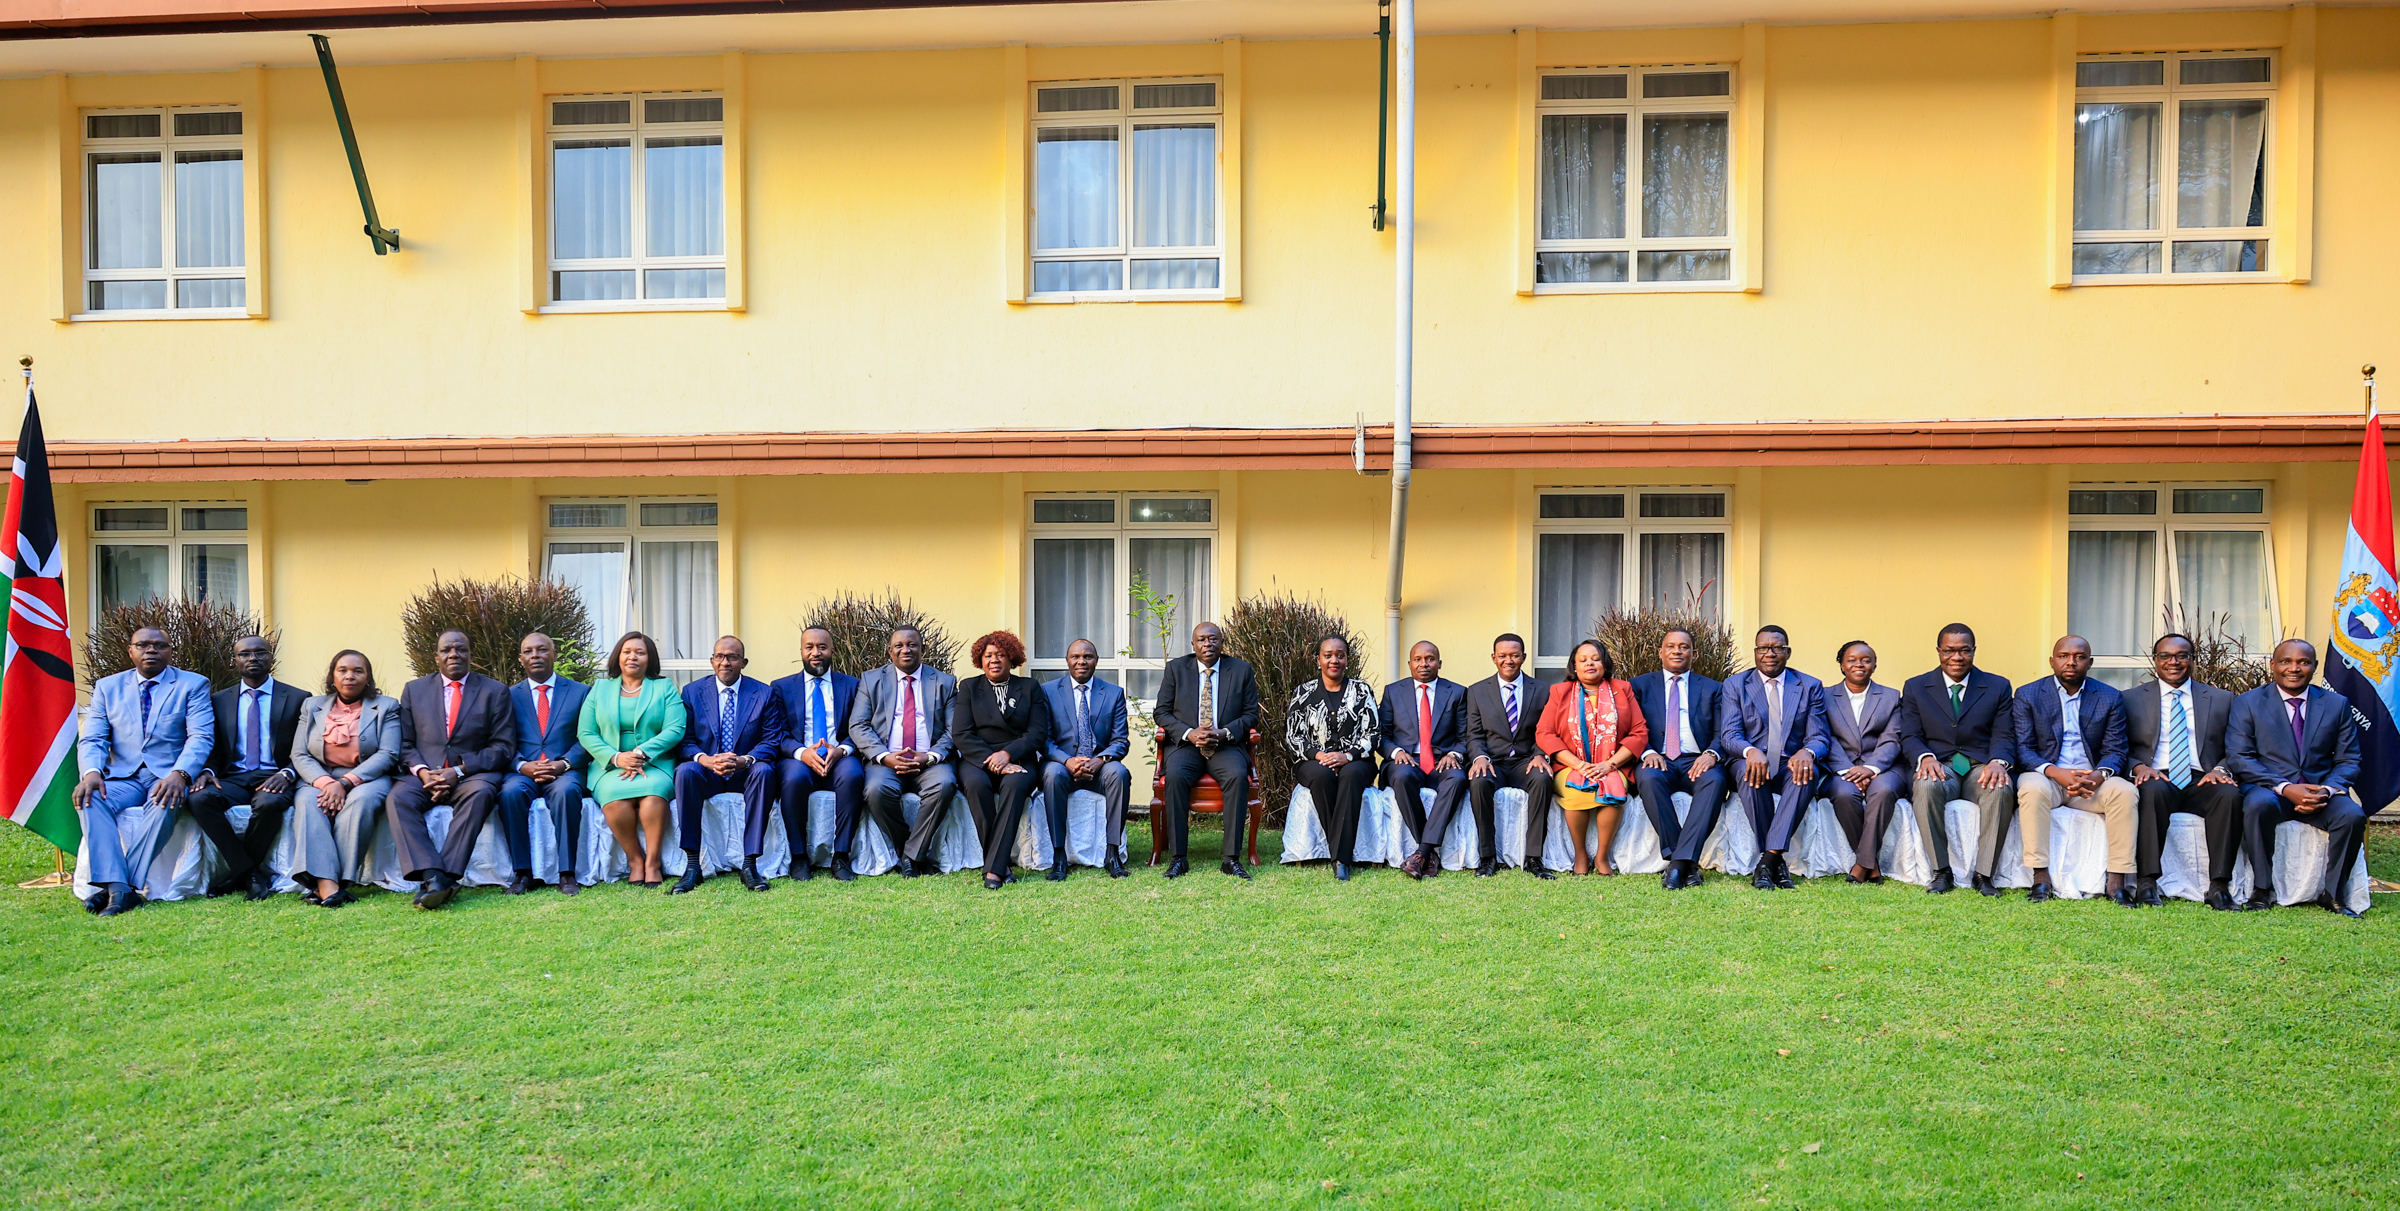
[
  {"x": 1984, "y": 884},
  {"x": 1234, "y": 867},
  {"x": 1413, "y": 865},
  {"x": 1178, "y": 868},
  {"x": 567, "y": 886},
  {"x": 215, "y": 890},
  {"x": 2146, "y": 893},
  {"x": 438, "y": 889},
  {"x": 691, "y": 874},
  {"x": 518, "y": 884},
  {"x": 843, "y": 872},
  {"x": 1673, "y": 879},
  {"x": 1760, "y": 876},
  {"x": 1341, "y": 871},
  {"x": 96, "y": 901},
  {"x": 1534, "y": 867},
  {"x": 907, "y": 868},
  {"x": 121, "y": 901},
  {"x": 1943, "y": 883},
  {"x": 262, "y": 884},
  {"x": 1115, "y": 865},
  {"x": 337, "y": 899},
  {"x": 750, "y": 876},
  {"x": 2126, "y": 896},
  {"x": 2041, "y": 892},
  {"x": 2259, "y": 901},
  {"x": 1783, "y": 875},
  {"x": 2218, "y": 898},
  {"x": 1488, "y": 868},
  {"x": 2326, "y": 901},
  {"x": 802, "y": 868},
  {"x": 1058, "y": 868},
  {"x": 1851, "y": 877}
]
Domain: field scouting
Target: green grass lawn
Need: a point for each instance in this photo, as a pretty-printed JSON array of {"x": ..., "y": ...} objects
[{"x": 1288, "y": 1042}]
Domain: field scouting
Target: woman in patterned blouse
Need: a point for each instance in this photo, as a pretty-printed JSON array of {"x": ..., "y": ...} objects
[{"x": 1330, "y": 727}]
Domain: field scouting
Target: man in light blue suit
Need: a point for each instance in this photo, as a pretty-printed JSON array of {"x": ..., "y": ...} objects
[
  {"x": 1089, "y": 738},
  {"x": 550, "y": 763},
  {"x": 146, "y": 736},
  {"x": 1775, "y": 723}
]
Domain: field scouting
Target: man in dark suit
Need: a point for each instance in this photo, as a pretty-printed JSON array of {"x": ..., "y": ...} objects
[
  {"x": 252, "y": 763},
  {"x": 2294, "y": 748},
  {"x": 1958, "y": 724},
  {"x": 1425, "y": 722},
  {"x": 732, "y": 727},
  {"x": 900, "y": 723},
  {"x": 1089, "y": 737},
  {"x": 1862, "y": 752},
  {"x": 1681, "y": 707},
  {"x": 550, "y": 763},
  {"x": 2071, "y": 745},
  {"x": 2175, "y": 728},
  {"x": 1503, "y": 712},
  {"x": 458, "y": 740},
  {"x": 1775, "y": 723},
  {"x": 1208, "y": 702},
  {"x": 817, "y": 754}
]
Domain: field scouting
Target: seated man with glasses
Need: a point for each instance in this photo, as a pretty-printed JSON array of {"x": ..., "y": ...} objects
[
  {"x": 1959, "y": 725},
  {"x": 2176, "y": 727}
]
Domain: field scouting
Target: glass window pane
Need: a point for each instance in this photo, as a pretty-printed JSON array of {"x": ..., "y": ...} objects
[
  {"x": 683, "y": 109},
  {"x": 122, "y": 126},
  {"x": 2100, "y": 259},
  {"x": 1583, "y": 176},
  {"x": 1075, "y": 100},
  {"x": 1580, "y": 577},
  {"x": 1568, "y": 267},
  {"x": 1169, "y": 509},
  {"x": 591, "y": 113},
  {"x": 124, "y": 207},
  {"x": 1687, "y": 84},
  {"x": 129, "y": 296},
  {"x": 208, "y": 208},
  {"x": 596, "y": 570},
  {"x": 2220, "y": 256},
  {"x": 1075, "y": 187},
  {"x": 2112, "y": 590},
  {"x": 2225, "y": 71},
  {"x": 1090, "y": 510},
  {"x": 686, "y": 181},
  {"x": 2224, "y": 574},
  {"x": 1174, "y": 96},
  {"x": 216, "y": 518},
  {"x": 2113, "y": 501},
  {"x": 1178, "y": 567},
  {"x": 1181, "y": 274},
  {"x": 2221, "y": 164},
  {"x": 1583, "y": 88},
  {"x": 1682, "y": 571},
  {"x": 1074, "y": 582},
  {"x": 1583, "y": 504},
  {"x": 577, "y": 516},
  {"x": 110, "y": 519},
  {"x": 130, "y": 575},
  {"x": 1058, "y": 277},
  {"x": 1695, "y": 265},
  {"x": 2220, "y": 500},
  {"x": 683, "y": 283},
  {"x": 2116, "y": 167},
  {"x": 591, "y": 285},
  {"x": 1683, "y": 504},
  {"x": 680, "y": 513},
  {"x": 202, "y": 126},
  {"x": 679, "y": 598},
  {"x": 209, "y": 292},
  {"x": 1175, "y": 185},
  {"x": 2121, "y": 73},
  {"x": 1683, "y": 174},
  {"x": 217, "y": 572},
  {"x": 591, "y": 189}
]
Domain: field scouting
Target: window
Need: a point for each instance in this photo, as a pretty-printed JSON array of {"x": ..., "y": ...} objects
[
  {"x": 186, "y": 550},
  {"x": 1088, "y": 554},
  {"x": 637, "y": 200},
  {"x": 1125, "y": 189},
  {"x": 2171, "y": 164},
  {"x": 642, "y": 565},
  {"x": 163, "y": 211},
  {"x": 1598, "y": 549},
  {"x": 1636, "y": 178},
  {"x": 2140, "y": 555}
]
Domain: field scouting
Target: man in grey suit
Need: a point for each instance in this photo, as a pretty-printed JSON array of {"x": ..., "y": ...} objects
[
  {"x": 146, "y": 736},
  {"x": 2176, "y": 727},
  {"x": 900, "y": 724},
  {"x": 1089, "y": 737},
  {"x": 1862, "y": 719}
]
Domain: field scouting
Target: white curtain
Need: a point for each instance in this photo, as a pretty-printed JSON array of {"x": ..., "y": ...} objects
[
  {"x": 1580, "y": 575},
  {"x": 208, "y": 208},
  {"x": 2116, "y": 167},
  {"x": 686, "y": 181},
  {"x": 1175, "y": 185},
  {"x": 125, "y": 218},
  {"x": 130, "y": 575},
  {"x": 1074, "y": 583},
  {"x": 1175, "y": 566},
  {"x": 2224, "y": 572},
  {"x": 1075, "y": 187},
  {"x": 1583, "y": 176},
  {"x": 1683, "y": 174},
  {"x": 2220, "y": 162},
  {"x": 1176, "y": 273},
  {"x": 591, "y": 189},
  {"x": 596, "y": 570},
  {"x": 1680, "y": 570},
  {"x": 2111, "y": 586},
  {"x": 679, "y": 597},
  {"x": 217, "y": 572}
]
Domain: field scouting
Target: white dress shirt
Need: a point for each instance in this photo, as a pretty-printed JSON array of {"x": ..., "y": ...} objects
[
  {"x": 2071, "y": 752},
  {"x": 1858, "y": 717}
]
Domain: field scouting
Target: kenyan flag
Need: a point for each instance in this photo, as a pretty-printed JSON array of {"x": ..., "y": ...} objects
[{"x": 37, "y": 684}]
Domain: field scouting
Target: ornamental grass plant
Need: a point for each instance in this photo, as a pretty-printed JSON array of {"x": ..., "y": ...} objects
[
  {"x": 862, "y": 626},
  {"x": 496, "y": 616},
  {"x": 1632, "y": 636},
  {"x": 1277, "y": 634},
  {"x": 203, "y": 633}
]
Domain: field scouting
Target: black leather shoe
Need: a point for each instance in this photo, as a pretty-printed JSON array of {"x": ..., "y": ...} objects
[
  {"x": 518, "y": 884},
  {"x": 1488, "y": 868},
  {"x": 1673, "y": 879},
  {"x": 1984, "y": 884},
  {"x": 907, "y": 867},
  {"x": 691, "y": 874},
  {"x": 750, "y": 876},
  {"x": 1341, "y": 871},
  {"x": 2259, "y": 901},
  {"x": 2326, "y": 901},
  {"x": 122, "y": 901},
  {"x": 802, "y": 869},
  {"x": 567, "y": 886},
  {"x": 262, "y": 884},
  {"x": 2146, "y": 893},
  {"x": 2041, "y": 892},
  {"x": 1115, "y": 865},
  {"x": 843, "y": 872},
  {"x": 1178, "y": 868},
  {"x": 1761, "y": 877},
  {"x": 1943, "y": 883},
  {"x": 1058, "y": 868},
  {"x": 438, "y": 889},
  {"x": 1691, "y": 874},
  {"x": 2126, "y": 897},
  {"x": 1413, "y": 865},
  {"x": 2219, "y": 897},
  {"x": 1783, "y": 875},
  {"x": 214, "y": 890},
  {"x": 1234, "y": 867},
  {"x": 96, "y": 901},
  {"x": 337, "y": 899},
  {"x": 1534, "y": 867}
]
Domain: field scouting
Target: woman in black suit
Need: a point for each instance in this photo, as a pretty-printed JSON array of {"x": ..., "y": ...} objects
[{"x": 998, "y": 721}]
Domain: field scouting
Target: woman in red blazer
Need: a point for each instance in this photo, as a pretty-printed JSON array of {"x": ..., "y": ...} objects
[{"x": 1593, "y": 731}]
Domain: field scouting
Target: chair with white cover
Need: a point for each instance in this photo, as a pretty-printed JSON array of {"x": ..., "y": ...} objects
[
  {"x": 956, "y": 845},
  {"x": 1087, "y": 832},
  {"x": 1379, "y": 830}
]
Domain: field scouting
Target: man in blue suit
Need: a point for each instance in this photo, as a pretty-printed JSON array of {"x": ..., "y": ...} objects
[
  {"x": 1424, "y": 728},
  {"x": 731, "y": 731},
  {"x": 1681, "y": 707},
  {"x": 1775, "y": 723},
  {"x": 2070, "y": 737},
  {"x": 1958, "y": 723},
  {"x": 550, "y": 763},
  {"x": 2294, "y": 748},
  {"x": 814, "y": 704},
  {"x": 146, "y": 736},
  {"x": 1089, "y": 738}
]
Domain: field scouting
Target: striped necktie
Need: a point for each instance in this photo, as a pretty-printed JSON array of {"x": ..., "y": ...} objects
[{"x": 2179, "y": 742}]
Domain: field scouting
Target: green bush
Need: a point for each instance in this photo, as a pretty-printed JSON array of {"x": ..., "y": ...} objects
[
  {"x": 862, "y": 627},
  {"x": 2219, "y": 657},
  {"x": 1277, "y": 634},
  {"x": 1632, "y": 637},
  {"x": 497, "y": 615},
  {"x": 203, "y": 633}
]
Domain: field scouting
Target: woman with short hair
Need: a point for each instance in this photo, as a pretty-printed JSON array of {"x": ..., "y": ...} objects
[
  {"x": 1593, "y": 730},
  {"x": 1330, "y": 726},
  {"x": 349, "y": 749},
  {"x": 631, "y": 720},
  {"x": 999, "y": 722}
]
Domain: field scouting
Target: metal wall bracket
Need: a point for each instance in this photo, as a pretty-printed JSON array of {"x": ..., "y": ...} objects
[{"x": 386, "y": 239}]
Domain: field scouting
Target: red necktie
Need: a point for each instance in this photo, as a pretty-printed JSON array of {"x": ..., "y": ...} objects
[
  {"x": 452, "y": 692},
  {"x": 908, "y": 714},
  {"x": 1425, "y": 727},
  {"x": 541, "y": 715}
]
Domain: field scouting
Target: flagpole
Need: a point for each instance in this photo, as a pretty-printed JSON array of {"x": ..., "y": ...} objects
[{"x": 59, "y": 876}]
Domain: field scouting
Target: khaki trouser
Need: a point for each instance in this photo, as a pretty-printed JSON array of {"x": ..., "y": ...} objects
[{"x": 2113, "y": 802}]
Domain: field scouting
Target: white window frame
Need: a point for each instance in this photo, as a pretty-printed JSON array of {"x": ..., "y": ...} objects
[
  {"x": 1631, "y": 527},
  {"x": 1125, "y": 117},
  {"x": 1115, "y": 666},
  {"x": 166, "y": 144},
  {"x": 173, "y": 539},
  {"x": 633, "y": 533},
  {"x": 2169, "y": 96},
  {"x": 640, "y": 261},
  {"x": 1633, "y": 243},
  {"x": 2165, "y": 579}
]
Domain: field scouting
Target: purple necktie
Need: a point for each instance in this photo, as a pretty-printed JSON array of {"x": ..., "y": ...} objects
[
  {"x": 251, "y": 755},
  {"x": 1674, "y": 720},
  {"x": 2299, "y": 751}
]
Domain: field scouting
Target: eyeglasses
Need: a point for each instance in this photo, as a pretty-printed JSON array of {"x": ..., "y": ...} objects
[
  {"x": 1772, "y": 647},
  {"x": 1955, "y": 651},
  {"x": 2171, "y": 657}
]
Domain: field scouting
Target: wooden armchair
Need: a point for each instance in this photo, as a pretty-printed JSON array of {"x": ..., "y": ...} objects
[{"x": 1207, "y": 796}]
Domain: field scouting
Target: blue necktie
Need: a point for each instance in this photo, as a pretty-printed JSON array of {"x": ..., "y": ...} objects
[
  {"x": 258, "y": 729},
  {"x": 1083, "y": 720},
  {"x": 725, "y": 699},
  {"x": 2179, "y": 739},
  {"x": 820, "y": 712},
  {"x": 147, "y": 686}
]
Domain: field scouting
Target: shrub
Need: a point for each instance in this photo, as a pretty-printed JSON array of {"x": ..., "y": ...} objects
[
  {"x": 1632, "y": 637},
  {"x": 1277, "y": 634},
  {"x": 862, "y": 627},
  {"x": 203, "y": 633},
  {"x": 497, "y": 615},
  {"x": 2219, "y": 657}
]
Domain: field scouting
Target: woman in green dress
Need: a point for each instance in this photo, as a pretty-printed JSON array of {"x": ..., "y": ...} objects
[{"x": 630, "y": 722}]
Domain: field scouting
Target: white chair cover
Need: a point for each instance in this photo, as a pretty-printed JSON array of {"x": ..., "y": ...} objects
[
  {"x": 179, "y": 868},
  {"x": 1379, "y": 830},
  {"x": 2299, "y": 867},
  {"x": 1087, "y": 832},
  {"x": 957, "y": 846},
  {"x": 1904, "y": 853}
]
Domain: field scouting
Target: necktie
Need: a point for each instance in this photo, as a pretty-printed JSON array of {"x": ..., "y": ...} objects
[
  {"x": 1673, "y": 723},
  {"x": 1512, "y": 706},
  {"x": 452, "y": 691},
  {"x": 1958, "y": 701},
  {"x": 1208, "y": 697},
  {"x": 820, "y": 709},
  {"x": 2299, "y": 750},
  {"x": 2179, "y": 744},
  {"x": 147, "y": 686},
  {"x": 258, "y": 730},
  {"x": 726, "y": 696},
  {"x": 1424, "y": 727},
  {"x": 908, "y": 713},
  {"x": 541, "y": 716},
  {"x": 1083, "y": 720},
  {"x": 1774, "y": 726}
]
